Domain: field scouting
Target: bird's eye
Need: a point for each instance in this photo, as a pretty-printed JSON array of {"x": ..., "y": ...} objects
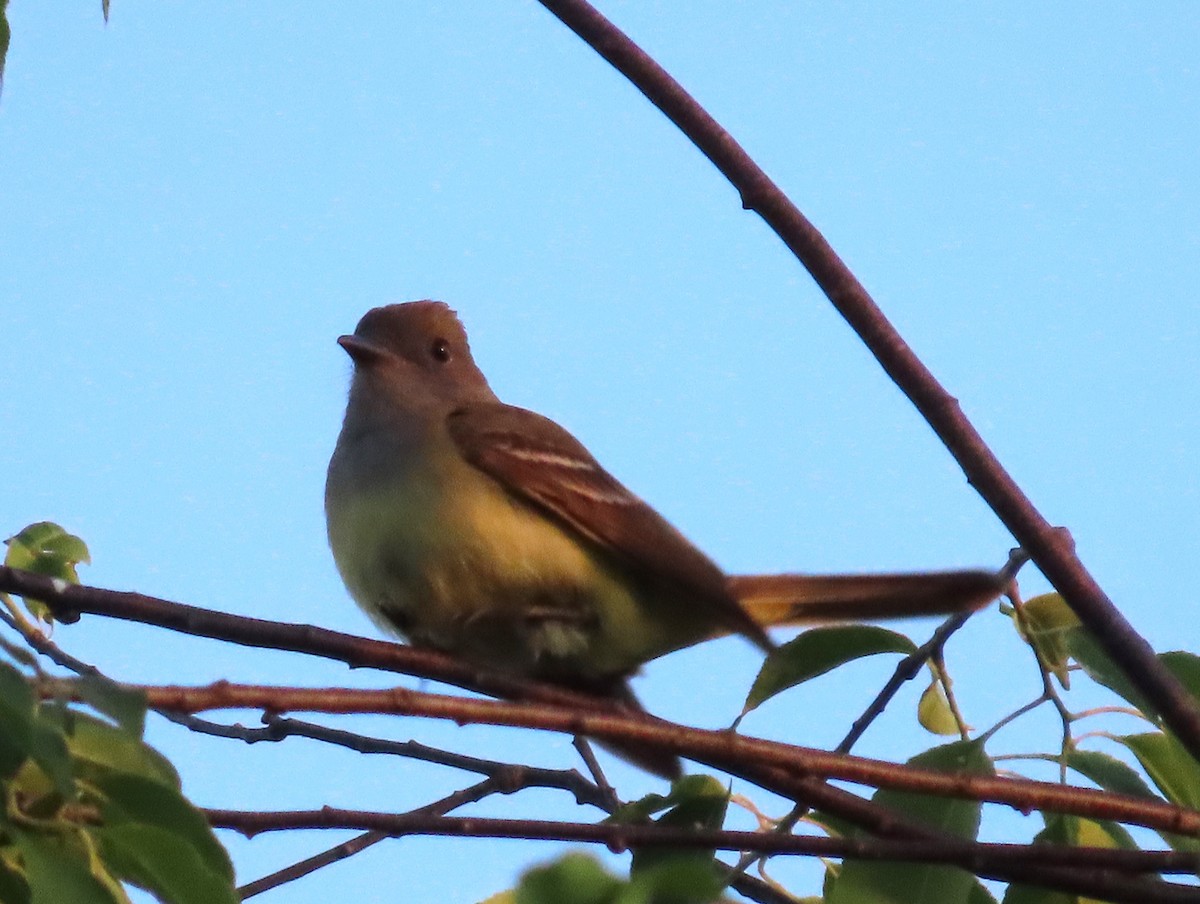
[{"x": 440, "y": 350}]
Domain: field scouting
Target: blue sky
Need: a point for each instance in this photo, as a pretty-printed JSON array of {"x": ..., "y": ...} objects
[{"x": 197, "y": 202}]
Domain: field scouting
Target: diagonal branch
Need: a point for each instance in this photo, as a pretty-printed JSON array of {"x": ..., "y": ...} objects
[
  {"x": 906, "y": 670},
  {"x": 356, "y": 845},
  {"x": 1049, "y": 547}
]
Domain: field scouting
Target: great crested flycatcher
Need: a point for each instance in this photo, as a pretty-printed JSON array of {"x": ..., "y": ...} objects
[{"x": 488, "y": 531}]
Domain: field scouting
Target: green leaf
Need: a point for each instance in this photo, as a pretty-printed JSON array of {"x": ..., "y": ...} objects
[
  {"x": 980, "y": 895},
  {"x": 678, "y": 880},
  {"x": 864, "y": 882},
  {"x": 698, "y": 801},
  {"x": 45, "y": 548},
  {"x": 1109, "y": 773},
  {"x": 682, "y": 789},
  {"x": 1048, "y": 620},
  {"x": 1104, "y": 833},
  {"x": 16, "y": 720},
  {"x": 701, "y": 806},
  {"x": 573, "y": 879},
  {"x": 139, "y": 800},
  {"x": 162, "y": 863},
  {"x": 1185, "y": 667},
  {"x": 1182, "y": 843},
  {"x": 816, "y": 652},
  {"x": 1073, "y": 831},
  {"x": 832, "y": 871},
  {"x": 934, "y": 713},
  {"x": 58, "y": 872},
  {"x": 1034, "y": 894},
  {"x": 1101, "y": 669},
  {"x": 48, "y": 748},
  {"x": 123, "y": 705},
  {"x": 99, "y": 747},
  {"x": 13, "y": 888},
  {"x": 502, "y": 897},
  {"x": 1169, "y": 766}
]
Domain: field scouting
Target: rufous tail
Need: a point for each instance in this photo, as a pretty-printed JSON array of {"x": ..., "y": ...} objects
[{"x": 774, "y": 600}]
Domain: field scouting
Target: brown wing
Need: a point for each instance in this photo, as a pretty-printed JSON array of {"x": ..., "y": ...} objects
[{"x": 540, "y": 462}]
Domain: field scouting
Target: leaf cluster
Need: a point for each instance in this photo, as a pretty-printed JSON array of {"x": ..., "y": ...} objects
[
  {"x": 88, "y": 806},
  {"x": 656, "y": 875}
]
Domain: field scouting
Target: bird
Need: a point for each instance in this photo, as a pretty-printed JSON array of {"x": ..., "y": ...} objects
[{"x": 489, "y": 532}]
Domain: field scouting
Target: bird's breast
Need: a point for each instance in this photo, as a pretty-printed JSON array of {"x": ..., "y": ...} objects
[{"x": 448, "y": 558}]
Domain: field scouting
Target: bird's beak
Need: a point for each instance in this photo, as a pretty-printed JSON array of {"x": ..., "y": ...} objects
[{"x": 362, "y": 352}]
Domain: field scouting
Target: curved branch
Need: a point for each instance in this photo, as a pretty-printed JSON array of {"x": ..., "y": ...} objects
[{"x": 1049, "y": 547}]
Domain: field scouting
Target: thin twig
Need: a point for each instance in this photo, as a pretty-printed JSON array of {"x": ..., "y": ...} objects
[
  {"x": 1049, "y": 691},
  {"x": 349, "y": 848},
  {"x": 883, "y": 822},
  {"x": 508, "y": 777},
  {"x": 727, "y": 756},
  {"x": 584, "y": 749},
  {"x": 1012, "y": 717},
  {"x": 301, "y": 868},
  {"x": 905, "y": 671}
]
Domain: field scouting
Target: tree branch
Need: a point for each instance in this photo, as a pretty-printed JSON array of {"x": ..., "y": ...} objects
[
  {"x": 972, "y": 856},
  {"x": 67, "y": 601},
  {"x": 564, "y": 710},
  {"x": 507, "y": 777},
  {"x": 1049, "y": 547},
  {"x": 699, "y": 744},
  {"x": 786, "y": 780},
  {"x": 905, "y": 671},
  {"x": 349, "y": 848}
]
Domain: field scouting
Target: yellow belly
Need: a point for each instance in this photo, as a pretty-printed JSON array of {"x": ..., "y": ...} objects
[{"x": 449, "y": 559}]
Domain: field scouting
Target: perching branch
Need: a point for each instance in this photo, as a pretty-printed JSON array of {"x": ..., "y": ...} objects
[
  {"x": 801, "y": 786},
  {"x": 553, "y": 708},
  {"x": 68, "y": 601},
  {"x": 723, "y": 749},
  {"x": 1049, "y": 547}
]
